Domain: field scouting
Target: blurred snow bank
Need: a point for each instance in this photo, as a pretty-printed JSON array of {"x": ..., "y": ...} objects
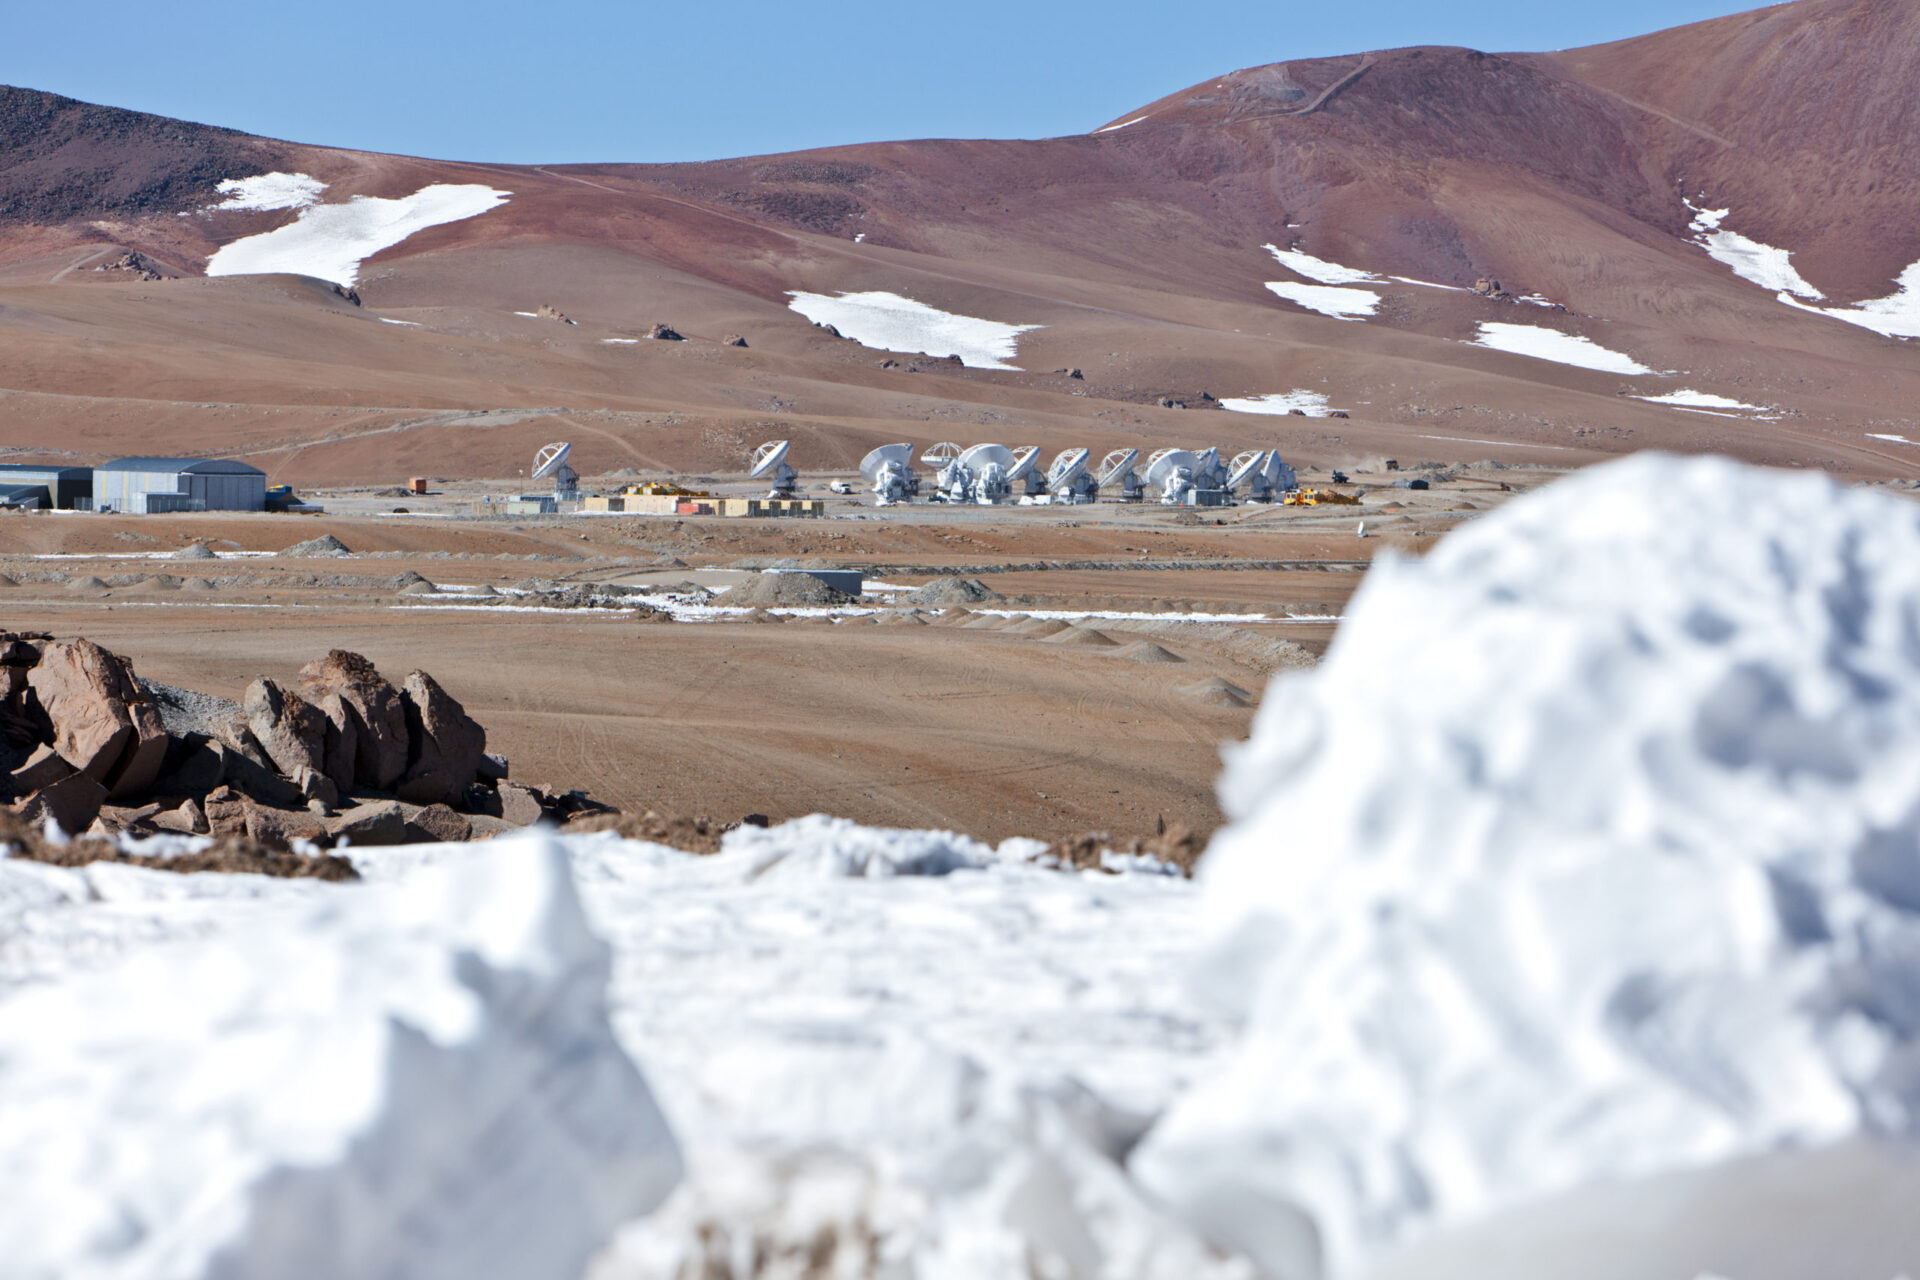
[
  {"x": 415, "y": 1080},
  {"x": 1615, "y": 871}
]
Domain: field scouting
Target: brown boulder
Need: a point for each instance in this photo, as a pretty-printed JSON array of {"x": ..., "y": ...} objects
[
  {"x": 733, "y": 340},
  {"x": 367, "y": 737},
  {"x": 438, "y": 824},
  {"x": 196, "y": 764},
  {"x": 279, "y": 828},
  {"x": 42, "y": 769},
  {"x": 446, "y": 745},
  {"x": 103, "y": 723},
  {"x": 378, "y": 822},
  {"x": 291, "y": 730},
  {"x": 189, "y": 819},
  {"x": 522, "y": 806},
  {"x": 73, "y": 802}
]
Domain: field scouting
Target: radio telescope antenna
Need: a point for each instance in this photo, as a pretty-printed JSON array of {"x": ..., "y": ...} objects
[
  {"x": 1117, "y": 469},
  {"x": 552, "y": 461},
  {"x": 1026, "y": 469},
  {"x": 770, "y": 460},
  {"x": 1173, "y": 470},
  {"x": 940, "y": 455},
  {"x": 988, "y": 467},
  {"x": 1249, "y": 468},
  {"x": 1208, "y": 471},
  {"x": 889, "y": 469},
  {"x": 1067, "y": 478},
  {"x": 1279, "y": 476}
]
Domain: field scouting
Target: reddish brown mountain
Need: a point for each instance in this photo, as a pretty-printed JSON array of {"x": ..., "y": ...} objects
[{"x": 1138, "y": 249}]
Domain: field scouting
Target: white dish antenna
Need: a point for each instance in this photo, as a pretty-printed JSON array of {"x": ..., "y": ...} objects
[
  {"x": 1208, "y": 471},
  {"x": 941, "y": 454},
  {"x": 900, "y": 455},
  {"x": 551, "y": 459},
  {"x": 1245, "y": 467},
  {"x": 1115, "y": 465},
  {"x": 976, "y": 458},
  {"x": 1067, "y": 468},
  {"x": 1025, "y": 459},
  {"x": 1278, "y": 474},
  {"x": 769, "y": 457},
  {"x": 1163, "y": 463}
]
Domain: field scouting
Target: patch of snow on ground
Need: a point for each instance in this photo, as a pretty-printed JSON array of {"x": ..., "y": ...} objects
[
  {"x": 1311, "y": 403},
  {"x": 1319, "y": 270},
  {"x": 1123, "y": 124},
  {"x": 411, "y": 324},
  {"x": 1613, "y": 874},
  {"x": 889, "y": 322},
  {"x": 1341, "y": 304},
  {"x": 1764, "y": 265},
  {"x": 1561, "y": 348},
  {"x": 330, "y": 241},
  {"x": 1428, "y": 284},
  {"x": 620, "y": 342},
  {"x": 1702, "y": 400},
  {"x": 268, "y": 191},
  {"x": 1895, "y": 316},
  {"x": 1895, "y": 439}
]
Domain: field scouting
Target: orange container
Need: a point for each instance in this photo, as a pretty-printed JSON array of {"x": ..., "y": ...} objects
[{"x": 418, "y": 484}]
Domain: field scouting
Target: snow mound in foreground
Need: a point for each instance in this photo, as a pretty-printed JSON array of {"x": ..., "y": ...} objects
[
  {"x": 416, "y": 1080},
  {"x": 1613, "y": 868}
]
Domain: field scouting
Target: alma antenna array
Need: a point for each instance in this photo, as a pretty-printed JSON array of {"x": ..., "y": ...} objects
[
  {"x": 1067, "y": 478},
  {"x": 889, "y": 469},
  {"x": 986, "y": 467},
  {"x": 552, "y": 461},
  {"x": 1173, "y": 472},
  {"x": 1026, "y": 470},
  {"x": 770, "y": 460}
]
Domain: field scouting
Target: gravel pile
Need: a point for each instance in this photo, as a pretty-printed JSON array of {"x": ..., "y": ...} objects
[
  {"x": 195, "y": 551},
  {"x": 315, "y": 548},
  {"x": 784, "y": 588},
  {"x": 952, "y": 591}
]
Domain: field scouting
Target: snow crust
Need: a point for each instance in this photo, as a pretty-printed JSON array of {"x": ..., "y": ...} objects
[
  {"x": 330, "y": 241},
  {"x": 268, "y": 191},
  {"x": 1123, "y": 124},
  {"x": 1319, "y": 270},
  {"x": 419, "y": 1081},
  {"x": 1701, "y": 400},
  {"x": 1614, "y": 868},
  {"x": 1896, "y": 316},
  {"x": 1312, "y": 403},
  {"x": 889, "y": 322},
  {"x": 1764, "y": 265},
  {"x": 1341, "y": 304},
  {"x": 1561, "y": 348}
]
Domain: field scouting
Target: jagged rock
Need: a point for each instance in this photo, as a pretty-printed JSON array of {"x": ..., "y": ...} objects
[
  {"x": 259, "y": 781},
  {"x": 493, "y": 766},
  {"x": 733, "y": 340},
  {"x": 522, "y": 806},
  {"x": 73, "y": 802},
  {"x": 831, "y": 331},
  {"x": 279, "y": 828},
  {"x": 290, "y": 729},
  {"x": 367, "y": 735},
  {"x": 665, "y": 333},
  {"x": 444, "y": 744},
  {"x": 547, "y": 311},
  {"x": 103, "y": 723},
  {"x": 377, "y": 822},
  {"x": 316, "y": 788},
  {"x": 438, "y": 824},
  {"x": 42, "y": 769},
  {"x": 189, "y": 819}
]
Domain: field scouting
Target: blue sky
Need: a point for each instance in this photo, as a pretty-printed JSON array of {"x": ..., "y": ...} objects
[{"x": 582, "y": 80}]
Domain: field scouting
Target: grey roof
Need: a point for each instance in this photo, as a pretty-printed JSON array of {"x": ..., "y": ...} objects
[
  {"x": 199, "y": 466},
  {"x": 41, "y": 469}
]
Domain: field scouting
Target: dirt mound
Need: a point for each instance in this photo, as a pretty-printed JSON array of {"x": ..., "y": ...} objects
[
  {"x": 787, "y": 588},
  {"x": 199, "y": 584},
  {"x": 953, "y": 618},
  {"x": 195, "y": 551},
  {"x": 317, "y": 548},
  {"x": 1040, "y": 627},
  {"x": 1216, "y": 692},
  {"x": 986, "y": 621},
  {"x": 911, "y": 618},
  {"x": 761, "y": 615},
  {"x": 158, "y": 582},
  {"x": 1086, "y": 637},
  {"x": 945, "y": 591},
  {"x": 420, "y": 588},
  {"x": 1147, "y": 651},
  {"x": 85, "y": 582}
]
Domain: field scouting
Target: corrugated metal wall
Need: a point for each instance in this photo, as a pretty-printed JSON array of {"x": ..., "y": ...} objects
[{"x": 127, "y": 491}]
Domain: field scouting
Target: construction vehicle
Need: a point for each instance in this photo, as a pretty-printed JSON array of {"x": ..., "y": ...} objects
[{"x": 1320, "y": 497}]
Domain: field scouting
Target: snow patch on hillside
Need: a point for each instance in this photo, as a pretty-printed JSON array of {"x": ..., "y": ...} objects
[
  {"x": 268, "y": 191},
  {"x": 1615, "y": 870},
  {"x": 417, "y": 1080},
  {"x": 1319, "y": 270},
  {"x": 1764, "y": 265},
  {"x": 1707, "y": 402},
  {"x": 1896, "y": 316},
  {"x": 1341, "y": 304},
  {"x": 1123, "y": 124},
  {"x": 330, "y": 241},
  {"x": 1312, "y": 403},
  {"x": 1561, "y": 348},
  {"x": 889, "y": 322}
]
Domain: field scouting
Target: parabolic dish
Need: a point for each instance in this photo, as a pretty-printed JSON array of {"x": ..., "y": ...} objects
[
  {"x": 978, "y": 456},
  {"x": 768, "y": 457},
  {"x": 941, "y": 454},
  {"x": 1024, "y": 459},
  {"x": 1244, "y": 466},
  {"x": 1115, "y": 465},
  {"x": 1068, "y": 467},
  {"x": 900, "y": 453},
  {"x": 551, "y": 458},
  {"x": 1164, "y": 461}
]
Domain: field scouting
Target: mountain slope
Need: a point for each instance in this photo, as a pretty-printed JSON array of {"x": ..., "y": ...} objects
[{"x": 1193, "y": 248}]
